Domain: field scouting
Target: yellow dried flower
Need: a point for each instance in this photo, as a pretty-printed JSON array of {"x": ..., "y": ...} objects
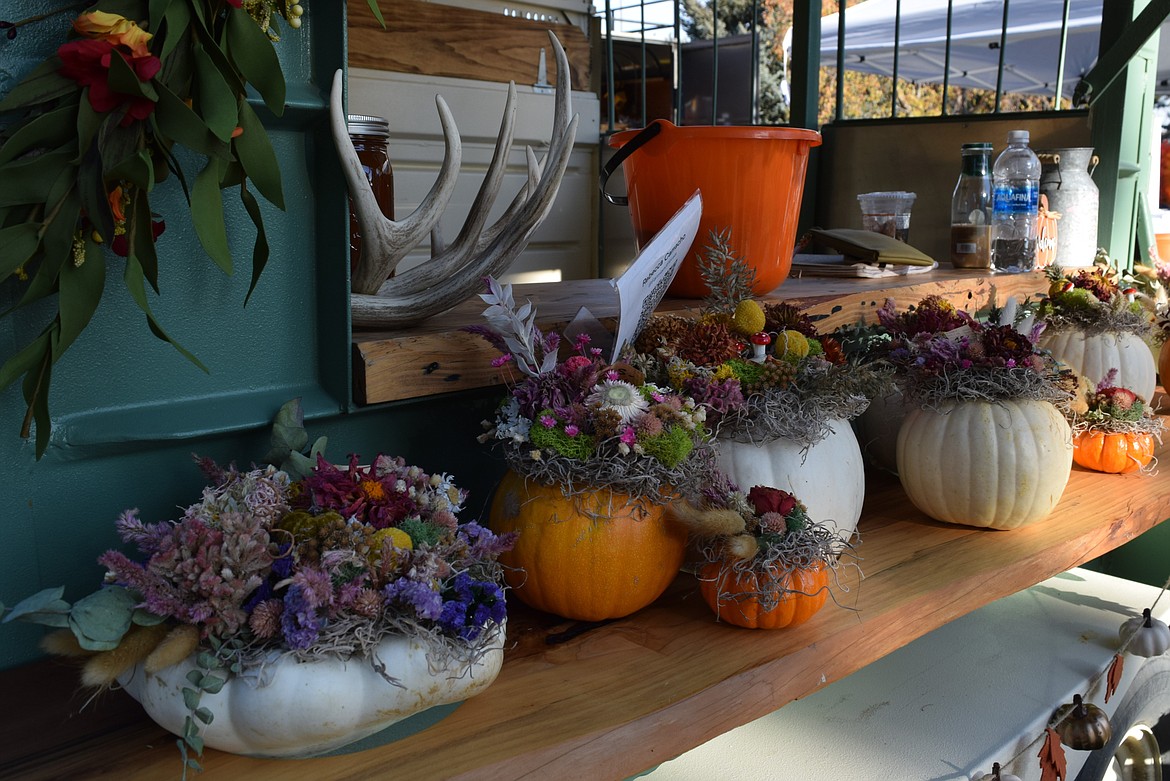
[
  {"x": 748, "y": 318},
  {"x": 398, "y": 538},
  {"x": 791, "y": 344}
]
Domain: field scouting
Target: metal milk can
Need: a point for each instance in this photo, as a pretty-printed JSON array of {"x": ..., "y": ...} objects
[{"x": 1066, "y": 178}]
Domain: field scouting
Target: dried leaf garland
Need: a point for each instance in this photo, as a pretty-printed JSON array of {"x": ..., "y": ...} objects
[
  {"x": 1113, "y": 678},
  {"x": 1052, "y": 762}
]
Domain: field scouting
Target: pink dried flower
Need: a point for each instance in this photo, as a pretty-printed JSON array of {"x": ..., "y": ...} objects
[
  {"x": 773, "y": 523},
  {"x": 548, "y": 421},
  {"x": 500, "y": 360},
  {"x": 629, "y": 436},
  {"x": 265, "y": 619}
]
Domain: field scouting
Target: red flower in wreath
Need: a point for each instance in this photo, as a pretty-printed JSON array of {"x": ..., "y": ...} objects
[
  {"x": 121, "y": 246},
  {"x": 87, "y": 62}
]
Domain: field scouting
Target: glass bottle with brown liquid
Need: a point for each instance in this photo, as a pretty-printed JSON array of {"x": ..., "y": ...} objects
[
  {"x": 371, "y": 138},
  {"x": 971, "y": 209}
]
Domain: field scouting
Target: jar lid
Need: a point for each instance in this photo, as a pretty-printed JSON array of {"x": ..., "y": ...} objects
[{"x": 365, "y": 124}]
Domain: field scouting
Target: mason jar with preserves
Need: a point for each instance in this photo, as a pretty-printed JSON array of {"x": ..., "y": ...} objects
[{"x": 371, "y": 138}]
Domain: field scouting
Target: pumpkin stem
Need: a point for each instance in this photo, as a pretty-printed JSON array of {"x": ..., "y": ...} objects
[
  {"x": 995, "y": 771},
  {"x": 1078, "y": 711},
  {"x": 1146, "y": 615}
]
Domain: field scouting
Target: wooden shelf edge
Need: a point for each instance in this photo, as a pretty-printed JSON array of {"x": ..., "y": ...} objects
[{"x": 439, "y": 357}]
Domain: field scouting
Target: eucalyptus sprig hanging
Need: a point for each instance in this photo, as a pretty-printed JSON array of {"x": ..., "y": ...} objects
[{"x": 89, "y": 133}]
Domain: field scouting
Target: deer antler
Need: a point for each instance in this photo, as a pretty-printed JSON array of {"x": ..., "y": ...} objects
[
  {"x": 386, "y": 242},
  {"x": 454, "y": 272}
]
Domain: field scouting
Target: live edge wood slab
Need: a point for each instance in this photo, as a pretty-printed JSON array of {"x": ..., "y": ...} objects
[
  {"x": 439, "y": 357},
  {"x": 615, "y": 699}
]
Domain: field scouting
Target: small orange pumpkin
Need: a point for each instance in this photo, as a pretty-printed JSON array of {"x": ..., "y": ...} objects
[
  {"x": 733, "y": 595},
  {"x": 589, "y": 557},
  {"x": 1113, "y": 453}
]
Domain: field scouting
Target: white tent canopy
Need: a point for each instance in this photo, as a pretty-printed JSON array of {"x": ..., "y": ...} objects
[{"x": 1032, "y": 49}]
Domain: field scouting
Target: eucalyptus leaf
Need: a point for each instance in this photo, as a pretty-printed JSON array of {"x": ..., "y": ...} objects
[
  {"x": 123, "y": 80},
  {"x": 95, "y": 200},
  {"x": 318, "y": 447},
  {"x": 260, "y": 250},
  {"x": 23, "y": 362},
  {"x": 204, "y": 715},
  {"x": 138, "y": 169},
  {"x": 57, "y": 237},
  {"x": 45, "y": 600},
  {"x": 35, "y": 390},
  {"x": 81, "y": 290},
  {"x": 217, "y": 101},
  {"x": 143, "y": 617},
  {"x": 288, "y": 432},
  {"x": 191, "y": 698},
  {"x": 207, "y": 215},
  {"x": 135, "y": 283},
  {"x": 102, "y": 619},
  {"x": 196, "y": 744},
  {"x": 207, "y": 661},
  {"x": 17, "y": 245},
  {"x": 140, "y": 235},
  {"x": 28, "y": 180},
  {"x": 50, "y": 130},
  {"x": 257, "y": 157},
  {"x": 298, "y": 465},
  {"x": 176, "y": 120},
  {"x": 194, "y": 676},
  {"x": 212, "y": 684},
  {"x": 256, "y": 58},
  {"x": 41, "y": 85}
]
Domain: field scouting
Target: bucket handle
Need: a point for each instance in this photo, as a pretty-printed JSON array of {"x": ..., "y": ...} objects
[{"x": 647, "y": 133}]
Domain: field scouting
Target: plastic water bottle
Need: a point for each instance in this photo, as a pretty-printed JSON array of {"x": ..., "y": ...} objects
[{"x": 1014, "y": 218}]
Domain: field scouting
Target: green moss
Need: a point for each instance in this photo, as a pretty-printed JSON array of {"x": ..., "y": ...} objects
[
  {"x": 421, "y": 531},
  {"x": 796, "y": 519},
  {"x": 747, "y": 372},
  {"x": 670, "y": 447},
  {"x": 815, "y": 347},
  {"x": 579, "y": 447}
]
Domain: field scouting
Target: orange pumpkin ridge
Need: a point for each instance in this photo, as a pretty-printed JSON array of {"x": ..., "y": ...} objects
[
  {"x": 590, "y": 557},
  {"x": 734, "y": 595},
  {"x": 1113, "y": 453}
]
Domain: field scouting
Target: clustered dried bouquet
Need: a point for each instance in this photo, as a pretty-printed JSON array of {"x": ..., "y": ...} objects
[
  {"x": 1092, "y": 301},
  {"x": 979, "y": 361},
  {"x": 264, "y": 567},
  {"x": 1114, "y": 429},
  {"x": 762, "y": 372},
  {"x": 583, "y": 423},
  {"x": 765, "y": 563}
]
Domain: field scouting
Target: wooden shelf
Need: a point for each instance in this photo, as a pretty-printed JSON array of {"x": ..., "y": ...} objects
[
  {"x": 439, "y": 357},
  {"x": 619, "y": 698}
]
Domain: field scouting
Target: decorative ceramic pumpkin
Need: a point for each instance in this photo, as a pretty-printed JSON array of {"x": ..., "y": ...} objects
[
  {"x": 829, "y": 476},
  {"x": 1113, "y": 453},
  {"x": 1092, "y": 356},
  {"x": 1086, "y": 728},
  {"x": 732, "y": 595},
  {"x": 307, "y": 708},
  {"x": 1151, "y": 637},
  {"x": 1000, "y": 465},
  {"x": 590, "y": 557}
]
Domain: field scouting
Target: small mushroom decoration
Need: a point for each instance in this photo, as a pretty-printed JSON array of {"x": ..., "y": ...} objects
[
  {"x": 760, "y": 342},
  {"x": 1086, "y": 728},
  {"x": 1146, "y": 635},
  {"x": 1130, "y": 293},
  {"x": 998, "y": 775}
]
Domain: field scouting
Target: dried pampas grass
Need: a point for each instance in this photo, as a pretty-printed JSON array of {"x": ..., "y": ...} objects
[
  {"x": 105, "y": 667},
  {"x": 178, "y": 644},
  {"x": 707, "y": 523},
  {"x": 63, "y": 643}
]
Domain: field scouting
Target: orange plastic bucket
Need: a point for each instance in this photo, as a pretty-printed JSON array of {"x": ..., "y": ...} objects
[{"x": 751, "y": 179}]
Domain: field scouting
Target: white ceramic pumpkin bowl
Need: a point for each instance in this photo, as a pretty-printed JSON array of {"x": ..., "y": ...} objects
[
  {"x": 1093, "y": 355},
  {"x": 829, "y": 477},
  {"x": 997, "y": 465},
  {"x": 310, "y": 708}
]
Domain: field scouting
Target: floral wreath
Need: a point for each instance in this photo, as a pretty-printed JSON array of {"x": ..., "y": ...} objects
[{"x": 100, "y": 123}]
